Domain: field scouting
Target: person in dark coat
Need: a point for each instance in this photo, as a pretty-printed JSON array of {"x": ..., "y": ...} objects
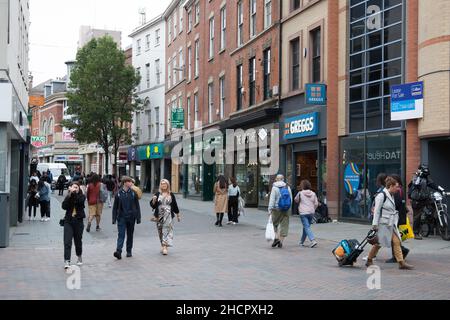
[
  {"x": 126, "y": 212},
  {"x": 32, "y": 201},
  {"x": 73, "y": 204},
  {"x": 60, "y": 183},
  {"x": 165, "y": 205}
]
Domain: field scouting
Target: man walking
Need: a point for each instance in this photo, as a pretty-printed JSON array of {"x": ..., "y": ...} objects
[
  {"x": 279, "y": 204},
  {"x": 126, "y": 212}
]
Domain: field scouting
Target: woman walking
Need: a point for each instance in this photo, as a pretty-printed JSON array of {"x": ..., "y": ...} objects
[
  {"x": 44, "y": 198},
  {"x": 73, "y": 204},
  {"x": 221, "y": 199},
  {"x": 33, "y": 202},
  {"x": 279, "y": 205},
  {"x": 385, "y": 221},
  {"x": 233, "y": 201},
  {"x": 165, "y": 205},
  {"x": 308, "y": 204}
]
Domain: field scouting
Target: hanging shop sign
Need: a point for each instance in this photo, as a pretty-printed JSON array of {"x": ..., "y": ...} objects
[
  {"x": 178, "y": 118},
  {"x": 132, "y": 154},
  {"x": 301, "y": 126},
  {"x": 352, "y": 177},
  {"x": 37, "y": 141},
  {"x": 407, "y": 101},
  {"x": 316, "y": 93}
]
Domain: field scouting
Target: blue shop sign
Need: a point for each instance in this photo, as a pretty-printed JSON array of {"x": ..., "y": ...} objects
[
  {"x": 301, "y": 126},
  {"x": 407, "y": 101},
  {"x": 316, "y": 93}
]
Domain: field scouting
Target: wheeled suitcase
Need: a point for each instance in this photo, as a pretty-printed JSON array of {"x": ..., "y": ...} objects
[{"x": 347, "y": 251}]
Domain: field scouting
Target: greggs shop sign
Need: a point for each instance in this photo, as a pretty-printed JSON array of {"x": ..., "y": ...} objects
[{"x": 301, "y": 126}]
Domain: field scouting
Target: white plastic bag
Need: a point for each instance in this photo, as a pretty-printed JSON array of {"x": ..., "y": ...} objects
[
  {"x": 241, "y": 206},
  {"x": 270, "y": 231}
]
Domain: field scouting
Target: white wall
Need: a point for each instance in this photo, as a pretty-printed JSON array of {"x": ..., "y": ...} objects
[{"x": 155, "y": 92}]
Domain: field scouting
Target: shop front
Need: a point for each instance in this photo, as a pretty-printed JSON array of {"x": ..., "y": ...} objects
[
  {"x": 363, "y": 157},
  {"x": 150, "y": 157},
  {"x": 304, "y": 149},
  {"x": 74, "y": 163}
]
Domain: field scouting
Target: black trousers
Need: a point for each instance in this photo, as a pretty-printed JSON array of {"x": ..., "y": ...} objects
[
  {"x": 73, "y": 229},
  {"x": 61, "y": 191},
  {"x": 417, "y": 217},
  {"x": 233, "y": 204},
  {"x": 34, "y": 210},
  {"x": 45, "y": 209}
]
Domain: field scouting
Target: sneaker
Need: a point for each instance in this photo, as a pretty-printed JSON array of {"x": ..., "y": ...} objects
[
  {"x": 118, "y": 255},
  {"x": 230, "y": 222},
  {"x": 88, "y": 228},
  {"x": 42, "y": 219},
  {"x": 79, "y": 261},
  {"x": 313, "y": 244},
  {"x": 302, "y": 244},
  {"x": 47, "y": 219},
  {"x": 129, "y": 255},
  {"x": 365, "y": 258},
  {"x": 234, "y": 223},
  {"x": 97, "y": 229},
  {"x": 67, "y": 264}
]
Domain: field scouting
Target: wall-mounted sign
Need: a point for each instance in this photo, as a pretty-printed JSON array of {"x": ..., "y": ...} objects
[
  {"x": 132, "y": 154},
  {"x": 301, "y": 126},
  {"x": 351, "y": 178},
  {"x": 37, "y": 141},
  {"x": 68, "y": 136},
  {"x": 407, "y": 101},
  {"x": 316, "y": 94},
  {"x": 151, "y": 151},
  {"x": 68, "y": 158},
  {"x": 178, "y": 118}
]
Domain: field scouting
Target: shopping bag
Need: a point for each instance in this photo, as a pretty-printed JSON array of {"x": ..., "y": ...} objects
[
  {"x": 270, "y": 231},
  {"x": 241, "y": 206},
  {"x": 406, "y": 231}
]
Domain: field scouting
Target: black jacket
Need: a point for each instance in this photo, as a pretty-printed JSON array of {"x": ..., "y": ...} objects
[
  {"x": 118, "y": 210},
  {"x": 173, "y": 206},
  {"x": 400, "y": 206},
  {"x": 74, "y": 201}
]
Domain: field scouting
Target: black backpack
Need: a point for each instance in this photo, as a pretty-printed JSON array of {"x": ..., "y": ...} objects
[
  {"x": 372, "y": 205},
  {"x": 418, "y": 192}
]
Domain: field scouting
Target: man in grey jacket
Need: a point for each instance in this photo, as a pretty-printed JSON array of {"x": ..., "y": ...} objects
[{"x": 280, "y": 218}]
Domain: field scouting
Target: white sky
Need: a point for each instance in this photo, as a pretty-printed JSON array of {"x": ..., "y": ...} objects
[{"x": 55, "y": 25}]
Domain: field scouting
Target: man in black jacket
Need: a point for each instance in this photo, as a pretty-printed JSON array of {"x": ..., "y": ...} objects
[{"x": 126, "y": 212}]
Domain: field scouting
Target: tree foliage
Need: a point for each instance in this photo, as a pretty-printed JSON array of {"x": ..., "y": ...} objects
[{"x": 102, "y": 96}]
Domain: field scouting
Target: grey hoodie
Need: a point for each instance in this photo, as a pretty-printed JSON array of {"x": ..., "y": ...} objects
[{"x": 275, "y": 194}]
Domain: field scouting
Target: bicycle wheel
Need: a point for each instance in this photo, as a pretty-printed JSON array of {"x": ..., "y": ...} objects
[{"x": 443, "y": 230}]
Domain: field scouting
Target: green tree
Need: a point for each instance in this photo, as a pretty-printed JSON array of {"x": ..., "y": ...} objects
[{"x": 102, "y": 96}]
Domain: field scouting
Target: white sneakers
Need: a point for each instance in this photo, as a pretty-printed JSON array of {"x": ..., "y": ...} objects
[
  {"x": 313, "y": 244},
  {"x": 67, "y": 264},
  {"x": 79, "y": 261},
  {"x": 45, "y": 219}
]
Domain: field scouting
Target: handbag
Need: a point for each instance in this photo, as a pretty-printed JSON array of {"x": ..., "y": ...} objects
[
  {"x": 270, "y": 231},
  {"x": 61, "y": 222},
  {"x": 406, "y": 231}
]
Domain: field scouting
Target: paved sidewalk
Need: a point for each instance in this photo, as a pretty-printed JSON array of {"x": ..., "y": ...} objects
[{"x": 207, "y": 262}]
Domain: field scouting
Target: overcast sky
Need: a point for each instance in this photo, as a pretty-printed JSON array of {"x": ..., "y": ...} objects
[{"x": 55, "y": 25}]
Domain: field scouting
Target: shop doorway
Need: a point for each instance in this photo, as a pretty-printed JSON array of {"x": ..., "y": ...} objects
[{"x": 306, "y": 168}]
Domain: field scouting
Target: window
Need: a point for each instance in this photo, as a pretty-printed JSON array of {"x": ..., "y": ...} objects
[
  {"x": 252, "y": 80},
  {"x": 315, "y": 54},
  {"x": 239, "y": 87},
  {"x": 197, "y": 12},
  {"x": 147, "y": 42},
  {"x": 267, "y": 13},
  {"x": 50, "y": 126},
  {"x": 188, "y": 106},
  {"x": 158, "y": 72},
  {"x": 175, "y": 18},
  {"x": 169, "y": 74},
  {"x": 197, "y": 58},
  {"x": 295, "y": 64},
  {"x": 295, "y": 4},
  {"x": 189, "y": 69},
  {"x": 157, "y": 37},
  {"x": 174, "y": 69},
  {"x": 266, "y": 84},
  {"x": 138, "y": 47},
  {"x": 252, "y": 18},
  {"x": 138, "y": 70},
  {"x": 157, "y": 123},
  {"x": 169, "y": 27},
  {"x": 223, "y": 26},
  {"x": 181, "y": 65},
  {"x": 240, "y": 21},
  {"x": 211, "y": 37},
  {"x": 222, "y": 96},
  {"x": 180, "y": 15},
  {"x": 147, "y": 74},
  {"x": 196, "y": 123},
  {"x": 189, "y": 20},
  {"x": 180, "y": 104},
  {"x": 210, "y": 102},
  {"x": 148, "y": 115}
]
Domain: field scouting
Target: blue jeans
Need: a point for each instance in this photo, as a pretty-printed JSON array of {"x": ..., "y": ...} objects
[
  {"x": 306, "y": 221},
  {"x": 125, "y": 225}
]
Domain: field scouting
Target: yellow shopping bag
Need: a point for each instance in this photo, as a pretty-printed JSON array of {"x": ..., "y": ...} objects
[{"x": 406, "y": 231}]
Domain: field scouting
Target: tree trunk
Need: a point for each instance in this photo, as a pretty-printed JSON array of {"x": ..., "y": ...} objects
[{"x": 106, "y": 150}]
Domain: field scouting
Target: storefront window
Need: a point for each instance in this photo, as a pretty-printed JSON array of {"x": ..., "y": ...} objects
[
  {"x": 363, "y": 157},
  {"x": 195, "y": 179},
  {"x": 289, "y": 165},
  {"x": 246, "y": 176}
]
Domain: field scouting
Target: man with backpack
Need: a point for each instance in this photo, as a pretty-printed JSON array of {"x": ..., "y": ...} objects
[
  {"x": 419, "y": 193},
  {"x": 279, "y": 204}
]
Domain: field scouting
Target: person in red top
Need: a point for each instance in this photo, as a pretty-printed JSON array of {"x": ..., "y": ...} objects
[{"x": 94, "y": 202}]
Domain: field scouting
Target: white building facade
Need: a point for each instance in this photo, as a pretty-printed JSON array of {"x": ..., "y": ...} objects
[
  {"x": 14, "y": 127},
  {"x": 148, "y": 125}
]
